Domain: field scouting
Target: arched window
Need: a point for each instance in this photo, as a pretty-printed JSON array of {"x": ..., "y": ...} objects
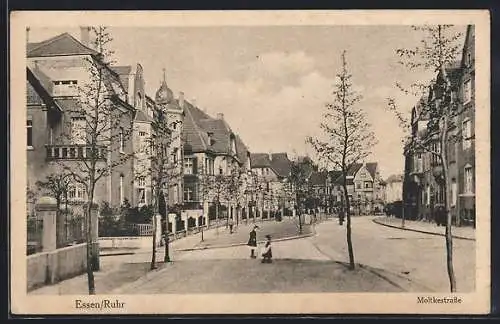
[{"x": 138, "y": 100}]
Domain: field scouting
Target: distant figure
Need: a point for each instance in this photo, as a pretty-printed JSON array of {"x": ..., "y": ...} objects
[
  {"x": 440, "y": 215},
  {"x": 231, "y": 224},
  {"x": 252, "y": 242},
  {"x": 267, "y": 253}
]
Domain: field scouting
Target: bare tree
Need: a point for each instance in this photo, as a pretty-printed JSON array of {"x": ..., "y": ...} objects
[
  {"x": 348, "y": 137},
  {"x": 98, "y": 142},
  {"x": 300, "y": 186},
  {"x": 438, "y": 50},
  {"x": 215, "y": 188},
  {"x": 162, "y": 169}
]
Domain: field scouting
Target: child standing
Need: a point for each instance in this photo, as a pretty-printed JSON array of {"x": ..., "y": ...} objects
[{"x": 267, "y": 253}]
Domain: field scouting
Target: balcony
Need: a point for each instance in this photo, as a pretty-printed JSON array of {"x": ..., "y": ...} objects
[{"x": 74, "y": 152}]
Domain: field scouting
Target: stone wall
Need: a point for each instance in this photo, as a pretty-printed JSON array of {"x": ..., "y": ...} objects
[{"x": 53, "y": 266}]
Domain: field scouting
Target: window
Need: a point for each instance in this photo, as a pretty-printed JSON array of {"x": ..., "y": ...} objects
[
  {"x": 65, "y": 88},
  {"x": 141, "y": 192},
  {"x": 141, "y": 196},
  {"x": 29, "y": 131},
  {"x": 466, "y": 134},
  {"x": 420, "y": 166},
  {"x": 174, "y": 155},
  {"x": 453, "y": 193},
  {"x": 440, "y": 194},
  {"x": 188, "y": 166},
  {"x": 358, "y": 185},
  {"x": 142, "y": 134},
  {"x": 138, "y": 102},
  {"x": 468, "y": 185},
  {"x": 77, "y": 191},
  {"x": 121, "y": 189},
  {"x": 188, "y": 194},
  {"x": 78, "y": 130},
  {"x": 467, "y": 91},
  {"x": 368, "y": 185},
  {"x": 122, "y": 140},
  {"x": 469, "y": 60},
  {"x": 209, "y": 166},
  {"x": 51, "y": 135},
  {"x": 221, "y": 171}
]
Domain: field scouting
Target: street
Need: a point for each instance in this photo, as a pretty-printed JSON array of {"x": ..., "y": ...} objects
[{"x": 391, "y": 260}]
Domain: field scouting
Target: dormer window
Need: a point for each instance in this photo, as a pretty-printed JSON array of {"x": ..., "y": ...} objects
[
  {"x": 65, "y": 88},
  {"x": 233, "y": 145},
  {"x": 211, "y": 140}
]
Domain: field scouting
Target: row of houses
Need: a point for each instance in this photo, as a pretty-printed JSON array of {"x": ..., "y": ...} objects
[
  {"x": 423, "y": 191},
  {"x": 201, "y": 145}
]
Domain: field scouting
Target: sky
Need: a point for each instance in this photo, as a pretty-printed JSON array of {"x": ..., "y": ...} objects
[{"x": 272, "y": 82}]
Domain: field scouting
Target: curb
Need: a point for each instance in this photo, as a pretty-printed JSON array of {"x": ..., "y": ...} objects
[
  {"x": 421, "y": 231},
  {"x": 116, "y": 254},
  {"x": 242, "y": 244}
]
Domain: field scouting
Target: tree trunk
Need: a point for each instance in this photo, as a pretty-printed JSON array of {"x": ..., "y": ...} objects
[
  {"x": 217, "y": 217},
  {"x": 153, "y": 255},
  {"x": 90, "y": 263},
  {"x": 348, "y": 230},
  {"x": 448, "y": 233},
  {"x": 166, "y": 256}
]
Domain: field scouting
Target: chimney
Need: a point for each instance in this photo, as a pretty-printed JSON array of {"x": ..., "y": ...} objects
[
  {"x": 85, "y": 35},
  {"x": 27, "y": 34},
  {"x": 181, "y": 99},
  {"x": 220, "y": 116}
]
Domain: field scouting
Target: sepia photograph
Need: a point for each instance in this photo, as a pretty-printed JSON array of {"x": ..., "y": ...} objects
[{"x": 250, "y": 162}]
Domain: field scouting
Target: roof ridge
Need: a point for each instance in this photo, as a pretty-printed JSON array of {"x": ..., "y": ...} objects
[
  {"x": 48, "y": 41},
  {"x": 60, "y": 36}
]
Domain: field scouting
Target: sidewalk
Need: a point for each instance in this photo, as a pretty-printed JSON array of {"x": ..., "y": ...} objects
[
  {"x": 464, "y": 233},
  {"x": 222, "y": 237},
  {"x": 118, "y": 270}
]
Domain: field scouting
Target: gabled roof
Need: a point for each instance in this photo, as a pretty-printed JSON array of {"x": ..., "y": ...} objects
[
  {"x": 281, "y": 164},
  {"x": 192, "y": 136},
  {"x": 318, "y": 178},
  {"x": 372, "y": 168},
  {"x": 63, "y": 44},
  {"x": 197, "y": 128},
  {"x": 260, "y": 160},
  {"x": 354, "y": 169},
  {"x": 335, "y": 176},
  {"x": 221, "y": 141}
]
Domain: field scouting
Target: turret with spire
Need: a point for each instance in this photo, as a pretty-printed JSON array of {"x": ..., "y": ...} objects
[{"x": 164, "y": 95}]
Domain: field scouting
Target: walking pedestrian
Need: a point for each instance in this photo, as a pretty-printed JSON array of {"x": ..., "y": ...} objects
[
  {"x": 267, "y": 253},
  {"x": 231, "y": 224},
  {"x": 252, "y": 242}
]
